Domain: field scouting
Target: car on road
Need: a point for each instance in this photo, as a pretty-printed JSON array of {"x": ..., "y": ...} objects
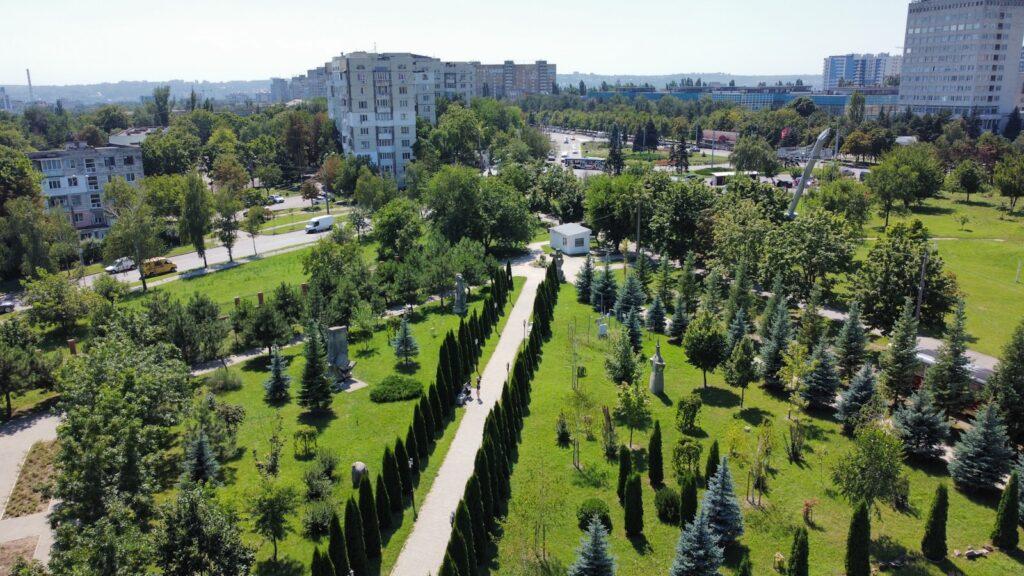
[
  {"x": 7, "y": 304},
  {"x": 319, "y": 224},
  {"x": 693, "y": 149},
  {"x": 158, "y": 266},
  {"x": 275, "y": 199},
  {"x": 120, "y": 265}
]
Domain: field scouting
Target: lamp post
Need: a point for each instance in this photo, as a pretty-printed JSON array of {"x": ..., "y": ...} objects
[{"x": 413, "y": 493}]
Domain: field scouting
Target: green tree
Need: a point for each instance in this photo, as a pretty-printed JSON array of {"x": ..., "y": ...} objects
[
  {"x": 949, "y": 378},
  {"x": 858, "y": 543},
  {"x": 18, "y": 178},
  {"x": 252, "y": 223},
  {"x": 873, "y": 469},
  {"x": 199, "y": 466},
  {"x": 603, "y": 290},
  {"x": 697, "y": 551},
  {"x": 593, "y": 557},
  {"x": 933, "y": 544},
  {"x": 1009, "y": 178},
  {"x": 740, "y": 368},
  {"x": 633, "y": 504},
  {"x": 622, "y": 364},
  {"x": 905, "y": 175},
  {"x": 714, "y": 458},
  {"x": 354, "y": 546},
  {"x": 404, "y": 343},
  {"x": 655, "y": 317},
  {"x": 631, "y": 296},
  {"x": 704, "y": 343},
  {"x": 982, "y": 456},
  {"x": 1006, "y": 385},
  {"x": 821, "y": 382},
  {"x": 382, "y": 504},
  {"x": 720, "y": 505},
  {"x": 321, "y": 564},
  {"x": 921, "y": 426},
  {"x": 799, "y": 564},
  {"x": 227, "y": 205},
  {"x": 614, "y": 163},
  {"x": 850, "y": 344},
  {"x": 773, "y": 349},
  {"x": 392, "y": 479},
  {"x": 967, "y": 178},
  {"x": 397, "y": 227},
  {"x": 56, "y": 299},
  {"x": 336, "y": 548},
  {"x": 196, "y": 213},
  {"x": 22, "y": 364},
  {"x": 1004, "y": 534},
  {"x": 134, "y": 231},
  {"x": 899, "y": 361},
  {"x": 368, "y": 517},
  {"x": 270, "y": 510},
  {"x": 625, "y": 470},
  {"x": 315, "y": 393},
  {"x": 197, "y": 536},
  {"x": 655, "y": 466},
  {"x": 584, "y": 280},
  {"x": 855, "y": 399}
]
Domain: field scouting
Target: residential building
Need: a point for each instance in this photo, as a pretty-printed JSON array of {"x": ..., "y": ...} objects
[
  {"x": 859, "y": 70},
  {"x": 132, "y": 136},
  {"x": 279, "y": 90},
  {"x": 5, "y": 101},
  {"x": 74, "y": 178},
  {"x": 511, "y": 80},
  {"x": 963, "y": 57}
]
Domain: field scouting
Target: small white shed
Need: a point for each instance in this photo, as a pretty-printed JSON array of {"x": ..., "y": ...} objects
[{"x": 570, "y": 239}]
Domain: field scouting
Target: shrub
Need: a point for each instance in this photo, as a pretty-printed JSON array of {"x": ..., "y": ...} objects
[
  {"x": 589, "y": 509},
  {"x": 318, "y": 483},
  {"x": 396, "y": 388},
  {"x": 223, "y": 380},
  {"x": 328, "y": 461},
  {"x": 666, "y": 502},
  {"x": 562, "y": 430},
  {"x": 317, "y": 519}
]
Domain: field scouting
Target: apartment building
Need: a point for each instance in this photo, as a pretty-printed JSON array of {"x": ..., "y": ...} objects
[
  {"x": 859, "y": 70},
  {"x": 74, "y": 178},
  {"x": 963, "y": 57},
  {"x": 279, "y": 90},
  {"x": 511, "y": 80},
  {"x": 5, "y": 101}
]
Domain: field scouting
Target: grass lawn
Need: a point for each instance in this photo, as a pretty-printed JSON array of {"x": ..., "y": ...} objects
[
  {"x": 542, "y": 464},
  {"x": 356, "y": 430}
]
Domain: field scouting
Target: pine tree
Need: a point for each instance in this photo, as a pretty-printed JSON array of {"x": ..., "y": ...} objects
[
  {"x": 821, "y": 383},
  {"x": 689, "y": 285},
  {"x": 621, "y": 363},
  {"x": 592, "y": 557},
  {"x": 368, "y": 516},
  {"x": 655, "y": 317},
  {"x": 933, "y": 545},
  {"x": 711, "y": 297},
  {"x": 336, "y": 548},
  {"x": 392, "y": 479},
  {"x": 655, "y": 467},
  {"x": 704, "y": 343},
  {"x": 200, "y": 465},
  {"x": 738, "y": 328},
  {"x": 687, "y": 499},
  {"x": 798, "y": 556},
  {"x": 457, "y": 549},
  {"x": 663, "y": 282},
  {"x": 720, "y": 504},
  {"x": 740, "y": 295},
  {"x": 949, "y": 378},
  {"x": 419, "y": 426},
  {"x": 404, "y": 344},
  {"x": 625, "y": 471},
  {"x": 603, "y": 290},
  {"x": 382, "y": 505},
  {"x": 614, "y": 163},
  {"x": 921, "y": 426},
  {"x": 1007, "y": 385},
  {"x": 773, "y": 349},
  {"x": 982, "y": 456},
  {"x": 858, "y": 543},
  {"x": 634, "y": 507},
  {"x": 856, "y": 397},
  {"x": 771, "y": 309},
  {"x": 584, "y": 280},
  {"x": 464, "y": 524},
  {"x": 850, "y": 344},
  {"x": 402, "y": 462},
  {"x": 474, "y": 502},
  {"x": 697, "y": 551},
  {"x": 357, "y": 560},
  {"x": 1004, "y": 534},
  {"x": 812, "y": 324},
  {"x": 633, "y": 329},
  {"x": 631, "y": 296},
  {"x": 740, "y": 368},
  {"x": 316, "y": 382},
  {"x": 899, "y": 361},
  {"x": 321, "y": 564},
  {"x": 277, "y": 384},
  {"x": 680, "y": 320}
]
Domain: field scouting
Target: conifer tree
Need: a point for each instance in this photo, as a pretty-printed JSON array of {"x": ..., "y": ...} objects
[
  {"x": 655, "y": 466},
  {"x": 392, "y": 479},
  {"x": 711, "y": 466},
  {"x": 740, "y": 367},
  {"x": 738, "y": 328},
  {"x": 631, "y": 296},
  {"x": 711, "y": 296},
  {"x": 798, "y": 564},
  {"x": 592, "y": 557},
  {"x": 604, "y": 290},
  {"x": 655, "y": 318},
  {"x": 850, "y": 344},
  {"x": 584, "y": 280},
  {"x": 821, "y": 383},
  {"x": 982, "y": 456},
  {"x": 812, "y": 324},
  {"x": 357, "y": 561},
  {"x": 723, "y": 511},
  {"x": 615, "y": 162},
  {"x": 634, "y": 507},
  {"x": 277, "y": 384},
  {"x": 200, "y": 465},
  {"x": 697, "y": 551},
  {"x": 382, "y": 505},
  {"x": 419, "y": 426},
  {"x": 773, "y": 350},
  {"x": 856, "y": 397},
  {"x": 858, "y": 543},
  {"x": 412, "y": 454},
  {"x": 368, "y": 517},
  {"x": 404, "y": 344},
  {"x": 464, "y": 524},
  {"x": 436, "y": 411},
  {"x": 321, "y": 564},
  {"x": 448, "y": 566},
  {"x": 687, "y": 499},
  {"x": 316, "y": 382},
  {"x": 921, "y": 426},
  {"x": 1007, "y": 385},
  {"x": 474, "y": 502},
  {"x": 633, "y": 329},
  {"x": 704, "y": 343},
  {"x": 899, "y": 361},
  {"x": 771, "y": 309},
  {"x": 336, "y": 548},
  {"x": 1004, "y": 534},
  {"x": 949, "y": 378},
  {"x": 680, "y": 320},
  {"x": 689, "y": 285},
  {"x": 402, "y": 462},
  {"x": 457, "y": 549},
  {"x": 663, "y": 282},
  {"x": 933, "y": 545},
  {"x": 622, "y": 362},
  {"x": 483, "y": 475},
  {"x": 625, "y": 471}
]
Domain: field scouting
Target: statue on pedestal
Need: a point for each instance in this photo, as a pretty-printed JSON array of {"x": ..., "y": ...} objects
[
  {"x": 657, "y": 381},
  {"x": 559, "y": 260},
  {"x": 337, "y": 353},
  {"x": 459, "y": 305}
]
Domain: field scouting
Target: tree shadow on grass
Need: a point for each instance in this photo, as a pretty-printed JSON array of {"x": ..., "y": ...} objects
[
  {"x": 319, "y": 419},
  {"x": 933, "y": 468},
  {"x": 719, "y": 397},
  {"x": 754, "y": 416},
  {"x": 932, "y": 210},
  {"x": 407, "y": 368},
  {"x": 641, "y": 544},
  {"x": 366, "y": 352},
  {"x": 259, "y": 363},
  {"x": 283, "y": 567},
  {"x": 735, "y": 553}
]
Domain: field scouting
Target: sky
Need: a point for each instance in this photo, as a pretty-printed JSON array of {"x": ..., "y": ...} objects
[{"x": 89, "y": 41}]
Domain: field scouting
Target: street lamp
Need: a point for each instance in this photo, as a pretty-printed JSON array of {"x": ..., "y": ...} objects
[{"x": 413, "y": 493}]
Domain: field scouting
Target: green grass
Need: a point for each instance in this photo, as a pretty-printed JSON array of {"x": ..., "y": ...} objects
[
  {"x": 543, "y": 464},
  {"x": 356, "y": 430}
]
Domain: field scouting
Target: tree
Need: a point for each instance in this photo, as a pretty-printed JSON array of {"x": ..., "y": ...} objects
[
  {"x": 197, "y": 536},
  {"x": 773, "y": 349},
  {"x": 899, "y": 361},
  {"x": 1009, "y": 178},
  {"x": 56, "y": 299},
  {"x": 1007, "y": 385},
  {"x": 655, "y": 317},
  {"x": 253, "y": 222},
  {"x": 226, "y": 223},
  {"x": 593, "y": 557},
  {"x": 631, "y": 296},
  {"x": 464, "y": 525},
  {"x": 134, "y": 231},
  {"x": 821, "y": 383},
  {"x": 687, "y": 499},
  {"x": 949, "y": 378},
  {"x": 720, "y": 505},
  {"x": 982, "y": 456},
  {"x": 711, "y": 467},
  {"x": 398, "y": 227},
  {"x": 316, "y": 382},
  {"x": 921, "y": 426},
  {"x": 906, "y": 174},
  {"x": 798, "y": 564},
  {"x": 680, "y": 321},
  {"x": 584, "y": 280},
  {"x": 1004, "y": 534},
  {"x": 1013, "y": 125},
  {"x": 603, "y": 290},
  {"x": 634, "y": 507},
  {"x": 309, "y": 191},
  {"x": 754, "y": 153},
  {"x": 850, "y": 344},
  {"x": 18, "y": 178},
  {"x": 614, "y": 163},
  {"x": 625, "y": 470},
  {"x": 266, "y": 328},
  {"x": 199, "y": 465},
  {"x": 321, "y": 564},
  {"x": 357, "y": 557},
  {"x": 368, "y": 517},
  {"x": 634, "y": 330},
  {"x": 697, "y": 551},
  {"x": 270, "y": 509},
  {"x": 404, "y": 343},
  {"x": 622, "y": 364},
  {"x": 633, "y": 407},
  {"x": 336, "y": 548},
  {"x": 933, "y": 544},
  {"x": 382, "y": 504},
  {"x": 228, "y": 173},
  {"x": 22, "y": 364},
  {"x": 740, "y": 368},
  {"x": 873, "y": 469},
  {"x": 967, "y": 178},
  {"x": 704, "y": 343},
  {"x": 392, "y": 479},
  {"x": 196, "y": 212},
  {"x": 855, "y": 399},
  {"x": 858, "y": 543}
]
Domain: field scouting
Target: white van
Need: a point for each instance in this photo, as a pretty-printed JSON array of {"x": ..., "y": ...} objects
[{"x": 319, "y": 224}]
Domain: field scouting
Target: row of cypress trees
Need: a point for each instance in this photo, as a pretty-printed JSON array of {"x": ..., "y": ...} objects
[
  {"x": 488, "y": 489},
  {"x": 354, "y": 543}
]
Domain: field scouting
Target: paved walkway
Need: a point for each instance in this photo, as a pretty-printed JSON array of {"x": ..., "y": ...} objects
[{"x": 16, "y": 438}]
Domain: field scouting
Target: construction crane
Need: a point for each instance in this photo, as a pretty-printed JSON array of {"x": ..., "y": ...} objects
[{"x": 815, "y": 152}]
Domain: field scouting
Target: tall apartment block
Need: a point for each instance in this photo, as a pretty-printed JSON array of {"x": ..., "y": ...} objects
[
  {"x": 963, "y": 57},
  {"x": 74, "y": 177},
  {"x": 859, "y": 70},
  {"x": 5, "y": 101},
  {"x": 511, "y": 80}
]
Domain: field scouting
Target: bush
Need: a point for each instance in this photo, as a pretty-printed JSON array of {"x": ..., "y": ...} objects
[
  {"x": 396, "y": 388},
  {"x": 109, "y": 288},
  {"x": 316, "y": 520},
  {"x": 318, "y": 483},
  {"x": 666, "y": 501},
  {"x": 590, "y": 508},
  {"x": 562, "y": 430},
  {"x": 92, "y": 251},
  {"x": 223, "y": 380},
  {"x": 327, "y": 461}
]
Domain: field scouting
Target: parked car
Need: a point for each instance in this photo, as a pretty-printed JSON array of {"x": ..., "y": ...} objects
[
  {"x": 120, "y": 265},
  {"x": 319, "y": 224},
  {"x": 158, "y": 266},
  {"x": 7, "y": 304},
  {"x": 276, "y": 199}
]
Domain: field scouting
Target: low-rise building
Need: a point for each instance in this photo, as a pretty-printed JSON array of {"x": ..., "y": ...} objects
[{"x": 132, "y": 136}]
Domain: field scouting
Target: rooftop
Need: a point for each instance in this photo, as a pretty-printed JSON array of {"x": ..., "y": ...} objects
[{"x": 570, "y": 229}]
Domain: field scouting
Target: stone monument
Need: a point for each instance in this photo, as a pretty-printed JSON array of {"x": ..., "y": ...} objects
[
  {"x": 358, "y": 469},
  {"x": 559, "y": 260},
  {"x": 337, "y": 353},
  {"x": 459, "y": 306},
  {"x": 657, "y": 383}
]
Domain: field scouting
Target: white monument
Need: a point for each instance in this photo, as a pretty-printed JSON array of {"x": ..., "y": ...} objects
[
  {"x": 459, "y": 306},
  {"x": 657, "y": 382}
]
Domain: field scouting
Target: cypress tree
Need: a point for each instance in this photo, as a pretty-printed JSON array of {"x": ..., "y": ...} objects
[
  {"x": 798, "y": 556},
  {"x": 1004, "y": 534},
  {"x": 933, "y": 545},
  {"x": 655, "y": 318},
  {"x": 850, "y": 344},
  {"x": 592, "y": 557},
  {"x": 457, "y": 549},
  {"x": 474, "y": 502},
  {"x": 321, "y": 564},
  {"x": 773, "y": 349},
  {"x": 448, "y": 566},
  {"x": 392, "y": 480},
  {"x": 357, "y": 560},
  {"x": 427, "y": 419},
  {"x": 899, "y": 361},
  {"x": 720, "y": 504},
  {"x": 712, "y": 463},
  {"x": 687, "y": 499},
  {"x": 584, "y": 280},
  {"x": 921, "y": 426},
  {"x": 368, "y": 516},
  {"x": 697, "y": 551},
  {"x": 316, "y": 382},
  {"x": 634, "y": 507},
  {"x": 856, "y": 397},
  {"x": 419, "y": 426},
  {"x": 277, "y": 384},
  {"x": 680, "y": 320},
  {"x": 949, "y": 378},
  {"x": 655, "y": 468},
  {"x": 982, "y": 456},
  {"x": 402, "y": 462},
  {"x": 464, "y": 525},
  {"x": 436, "y": 412},
  {"x": 336, "y": 548},
  {"x": 483, "y": 474},
  {"x": 625, "y": 470},
  {"x": 382, "y": 504},
  {"x": 821, "y": 383},
  {"x": 412, "y": 453},
  {"x": 1007, "y": 385},
  {"x": 858, "y": 543},
  {"x": 508, "y": 277}
]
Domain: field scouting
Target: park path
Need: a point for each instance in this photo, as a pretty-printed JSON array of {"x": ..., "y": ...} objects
[{"x": 16, "y": 438}]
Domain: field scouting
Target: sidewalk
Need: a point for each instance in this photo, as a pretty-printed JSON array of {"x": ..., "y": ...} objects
[{"x": 16, "y": 438}]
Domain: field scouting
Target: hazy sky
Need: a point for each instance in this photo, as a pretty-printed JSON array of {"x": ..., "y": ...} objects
[{"x": 86, "y": 41}]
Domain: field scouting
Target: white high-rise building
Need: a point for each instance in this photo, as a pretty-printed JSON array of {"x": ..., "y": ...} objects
[
  {"x": 963, "y": 56},
  {"x": 859, "y": 70}
]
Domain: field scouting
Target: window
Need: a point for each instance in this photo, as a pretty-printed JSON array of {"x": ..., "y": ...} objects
[
  {"x": 54, "y": 184},
  {"x": 129, "y": 160},
  {"x": 578, "y": 243},
  {"x": 77, "y": 217},
  {"x": 49, "y": 165},
  {"x": 72, "y": 181},
  {"x": 76, "y": 200},
  {"x": 94, "y": 201},
  {"x": 129, "y": 177},
  {"x": 109, "y": 161},
  {"x": 90, "y": 165},
  {"x": 93, "y": 183},
  {"x": 364, "y": 131}
]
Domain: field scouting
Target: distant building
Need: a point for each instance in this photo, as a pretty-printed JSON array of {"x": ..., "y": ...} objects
[
  {"x": 5, "y": 101},
  {"x": 571, "y": 239},
  {"x": 963, "y": 58},
  {"x": 74, "y": 178},
  {"x": 279, "y": 90},
  {"x": 511, "y": 80},
  {"x": 859, "y": 70},
  {"x": 131, "y": 136}
]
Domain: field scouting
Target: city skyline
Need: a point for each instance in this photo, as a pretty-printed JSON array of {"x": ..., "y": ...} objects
[{"x": 256, "y": 40}]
